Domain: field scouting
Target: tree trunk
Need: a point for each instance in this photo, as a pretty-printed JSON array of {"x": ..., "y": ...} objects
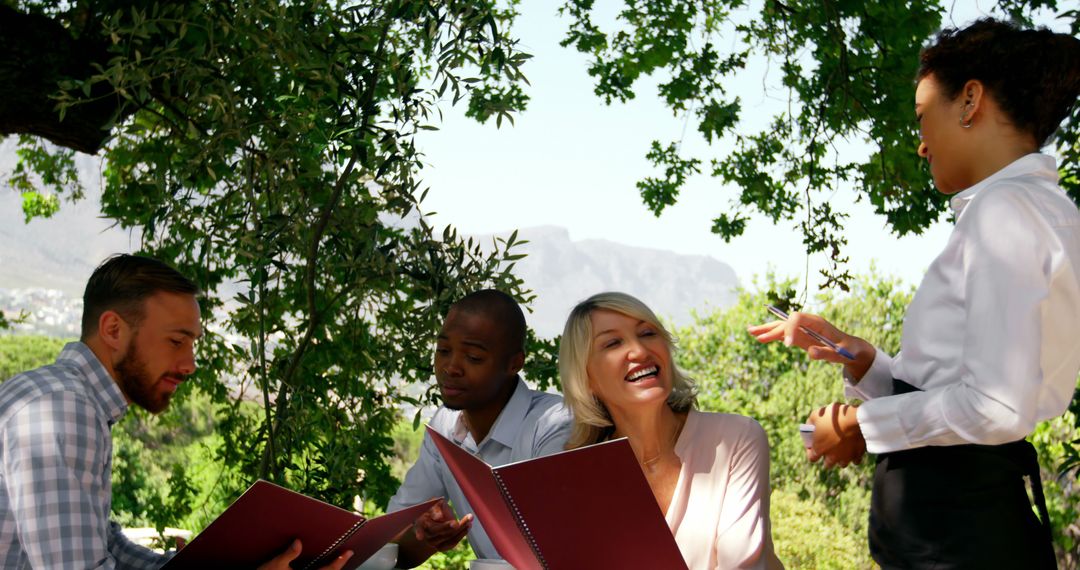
[{"x": 39, "y": 53}]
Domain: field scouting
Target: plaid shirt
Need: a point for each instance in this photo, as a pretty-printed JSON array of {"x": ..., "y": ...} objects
[{"x": 55, "y": 468}]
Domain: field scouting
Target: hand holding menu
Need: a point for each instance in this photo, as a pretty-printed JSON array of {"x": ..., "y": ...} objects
[
  {"x": 586, "y": 508},
  {"x": 265, "y": 520}
]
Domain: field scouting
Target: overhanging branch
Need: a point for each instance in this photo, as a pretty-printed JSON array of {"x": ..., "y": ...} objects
[{"x": 39, "y": 52}]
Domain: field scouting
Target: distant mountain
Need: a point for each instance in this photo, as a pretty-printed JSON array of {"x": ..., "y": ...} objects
[
  {"x": 563, "y": 272},
  {"x": 58, "y": 252},
  {"x": 61, "y": 252}
]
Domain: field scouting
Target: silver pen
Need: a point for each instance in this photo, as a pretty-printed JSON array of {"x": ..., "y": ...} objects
[{"x": 839, "y": 349}]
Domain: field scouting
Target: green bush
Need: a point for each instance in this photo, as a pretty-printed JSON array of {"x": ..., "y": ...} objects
[
  {"x": 19, "y": 353},
  {"x": 807, "y": 537}
]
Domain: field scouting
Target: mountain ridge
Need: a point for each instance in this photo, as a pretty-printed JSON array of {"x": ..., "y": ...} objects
[{"x": 60, "y": 253}]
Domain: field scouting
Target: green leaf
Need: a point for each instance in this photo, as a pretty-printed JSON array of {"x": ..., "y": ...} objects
[{"x": 37, "y": 205}]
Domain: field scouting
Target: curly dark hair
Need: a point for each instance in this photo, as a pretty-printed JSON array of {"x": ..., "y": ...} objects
[{"x": 1032, "y": 74}]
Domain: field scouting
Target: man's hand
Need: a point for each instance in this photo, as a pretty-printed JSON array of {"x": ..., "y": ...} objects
[
  {"x": 439, "y": 529},
  {"x": 281, "y": 561},
  {"x": 837, "y": 436}
]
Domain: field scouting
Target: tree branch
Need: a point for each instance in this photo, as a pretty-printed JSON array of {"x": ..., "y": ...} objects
[
  {"x": 367, "y": 102},
  {"x": 39, "y": 53}
]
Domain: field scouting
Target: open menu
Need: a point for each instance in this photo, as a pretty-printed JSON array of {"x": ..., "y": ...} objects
[
  {"x": 266, "y": 518},
  {"x": 585, "y": 508}
]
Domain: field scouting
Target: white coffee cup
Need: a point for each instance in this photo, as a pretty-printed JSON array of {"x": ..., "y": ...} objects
[
  {"x": 490, "y": 564},
  {"x": 384, "y": 559}
]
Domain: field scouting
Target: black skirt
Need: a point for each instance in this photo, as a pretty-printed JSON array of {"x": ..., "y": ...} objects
[{"x": 959, "y": 507}]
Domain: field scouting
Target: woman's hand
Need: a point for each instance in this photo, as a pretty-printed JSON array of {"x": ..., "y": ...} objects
[
  {"x": 837, "y": 436},
  {"x": 790, "y": 332}
]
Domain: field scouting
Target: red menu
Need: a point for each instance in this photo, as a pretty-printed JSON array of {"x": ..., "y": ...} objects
[
  {"x": 585, "y": 508},
  {"x": 265, "y": 520}
]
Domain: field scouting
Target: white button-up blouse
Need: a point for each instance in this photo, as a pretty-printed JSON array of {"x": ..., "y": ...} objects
[{"x": 992, "y": 336}]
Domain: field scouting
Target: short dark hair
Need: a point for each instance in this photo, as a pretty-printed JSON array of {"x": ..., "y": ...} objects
[
  {"x": 499, "y": 307},
  {"x": 1033, "y": 74},
  {"x": 122, "y": 283}
]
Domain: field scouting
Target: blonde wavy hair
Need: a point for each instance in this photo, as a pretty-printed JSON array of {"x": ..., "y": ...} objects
[{"x": 592, "y": 422}]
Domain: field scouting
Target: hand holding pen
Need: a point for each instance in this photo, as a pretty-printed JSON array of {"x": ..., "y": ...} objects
[{"x": 814, "y": 335}]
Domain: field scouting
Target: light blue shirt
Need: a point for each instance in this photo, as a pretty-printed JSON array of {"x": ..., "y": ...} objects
[
  {"x": 55, "y": 468},
  {"x": 531, "y": 425}
]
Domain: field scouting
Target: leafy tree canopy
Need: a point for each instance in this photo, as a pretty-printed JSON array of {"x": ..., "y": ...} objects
[
  {"x": 267, "y": 149},
  {"x": 847, "y": 69}
]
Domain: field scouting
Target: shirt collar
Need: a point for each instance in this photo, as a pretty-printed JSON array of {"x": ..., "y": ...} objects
[
  {"x": 102, "y": 386},
  {"x": 1034, "y": 164},
  {"x": 509, "y": 423}
]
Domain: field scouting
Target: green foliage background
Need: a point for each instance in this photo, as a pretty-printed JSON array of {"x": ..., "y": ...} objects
[{"x": 168, "y": 470}]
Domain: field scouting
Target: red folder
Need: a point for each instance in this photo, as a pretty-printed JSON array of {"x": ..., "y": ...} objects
[
  {"x": 266, "y": 518},
  {"x": 586, "y": 508}
]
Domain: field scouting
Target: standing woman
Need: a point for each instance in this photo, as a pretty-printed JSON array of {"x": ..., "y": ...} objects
[
  {"x": 991, "y": 340},
  {"x": 708, "y": 472}
]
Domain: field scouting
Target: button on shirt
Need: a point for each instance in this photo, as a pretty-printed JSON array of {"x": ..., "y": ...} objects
[
  {"x": 531, "y": 425},
  {"x": 991, "y": 334},
  {"x": 55, "y": 468}
]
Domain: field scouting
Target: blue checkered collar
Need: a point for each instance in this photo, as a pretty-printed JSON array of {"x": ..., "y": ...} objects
[{"x": 101, "y": 385}]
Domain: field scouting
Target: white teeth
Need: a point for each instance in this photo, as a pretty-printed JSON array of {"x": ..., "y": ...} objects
[{"x": 642, "y": 373}]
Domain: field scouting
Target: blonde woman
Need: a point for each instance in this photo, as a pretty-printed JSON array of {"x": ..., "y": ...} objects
[{"x": 709, "y": 472}]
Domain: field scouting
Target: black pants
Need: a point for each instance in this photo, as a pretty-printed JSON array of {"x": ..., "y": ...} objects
[{"x": 959, "y": 507}]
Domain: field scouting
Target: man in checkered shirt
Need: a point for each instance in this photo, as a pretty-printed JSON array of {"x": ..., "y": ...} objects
[{"x": 140, "y": 320}]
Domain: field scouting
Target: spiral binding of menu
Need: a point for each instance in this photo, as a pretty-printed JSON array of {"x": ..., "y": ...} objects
[
  {"x": 334, "y": 546},
  {"x": 520, "y": 521}
]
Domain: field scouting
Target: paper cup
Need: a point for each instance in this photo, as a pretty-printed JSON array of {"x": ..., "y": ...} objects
[
  {"x": 807, "y": 433},
  {"x": 384, "y": 559}
]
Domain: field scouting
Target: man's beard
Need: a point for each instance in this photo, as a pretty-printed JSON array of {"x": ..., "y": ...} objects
[{"x": 137, "y": 383}]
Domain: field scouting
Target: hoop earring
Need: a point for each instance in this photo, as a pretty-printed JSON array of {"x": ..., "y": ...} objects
[{"x": 967, "y": 124}]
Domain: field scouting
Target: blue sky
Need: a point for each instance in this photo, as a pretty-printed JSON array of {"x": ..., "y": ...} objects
[{"x": 572, "y": 161}]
